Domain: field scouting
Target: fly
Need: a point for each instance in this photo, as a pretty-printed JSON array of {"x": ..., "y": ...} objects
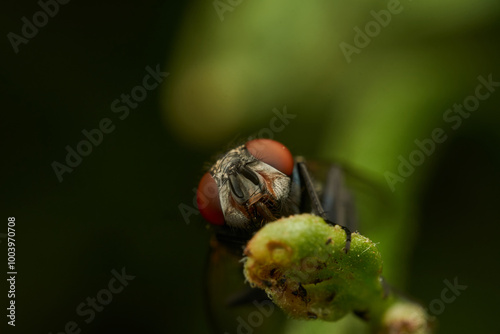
[{"x": 260, "y": 182}]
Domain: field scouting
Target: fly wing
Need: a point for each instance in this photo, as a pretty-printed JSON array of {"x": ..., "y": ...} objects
[{"x": 346, "y": 193}]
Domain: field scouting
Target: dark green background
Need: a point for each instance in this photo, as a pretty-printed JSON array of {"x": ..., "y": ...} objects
[{"x": 119, "y": 207}]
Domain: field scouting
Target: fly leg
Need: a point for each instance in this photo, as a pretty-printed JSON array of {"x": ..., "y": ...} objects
[
  {"x": 334, "y": 218},
  {"x": 337, "y": 200}
]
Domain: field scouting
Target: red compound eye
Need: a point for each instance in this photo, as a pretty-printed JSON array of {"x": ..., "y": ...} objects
[
  {"x": 272, "y": 153},
  {"x": 207, "y": 198}
]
